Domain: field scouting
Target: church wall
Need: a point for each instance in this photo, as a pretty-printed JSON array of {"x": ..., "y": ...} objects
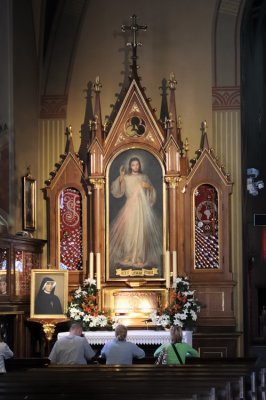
[
  {"x": 6, "y": 111},
  {"x": 25, "y": 96}
]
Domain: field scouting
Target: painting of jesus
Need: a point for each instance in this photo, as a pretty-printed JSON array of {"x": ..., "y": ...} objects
[{"x": 135, "y": 223}]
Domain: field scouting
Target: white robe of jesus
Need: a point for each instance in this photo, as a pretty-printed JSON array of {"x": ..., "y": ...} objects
[{"x": 135, "y": 234}]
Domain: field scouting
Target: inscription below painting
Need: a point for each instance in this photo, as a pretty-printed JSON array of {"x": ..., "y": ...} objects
[{"x": 135, "y": 233}]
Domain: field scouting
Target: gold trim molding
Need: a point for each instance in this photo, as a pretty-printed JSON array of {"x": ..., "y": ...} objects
[
  {"x": 98, "y": 183},
  {"x": 172, "y": 181}
]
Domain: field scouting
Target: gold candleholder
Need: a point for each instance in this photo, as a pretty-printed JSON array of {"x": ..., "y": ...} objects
[{"x": 48, "y": 329}]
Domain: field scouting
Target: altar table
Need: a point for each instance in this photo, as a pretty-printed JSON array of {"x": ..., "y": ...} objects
[{"x": 138, "y": 336}]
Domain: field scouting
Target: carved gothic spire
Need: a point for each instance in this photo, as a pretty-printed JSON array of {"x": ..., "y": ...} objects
[
  {"x": 97, "y": 110},
  {"x": 204, "y": 143},
  {"x": 69, "y": 142},
  {"x": 175, "y": 121}
]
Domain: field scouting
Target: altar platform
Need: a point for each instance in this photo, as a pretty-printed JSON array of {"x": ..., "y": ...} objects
[{"x": 138, "y": 336}]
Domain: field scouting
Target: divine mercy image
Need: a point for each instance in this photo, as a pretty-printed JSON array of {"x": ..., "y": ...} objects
[{"x": 135, "y": 221}]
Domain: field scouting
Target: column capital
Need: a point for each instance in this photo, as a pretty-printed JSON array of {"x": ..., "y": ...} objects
[
  {"x": 172, "y": 181},
  {"x": 98, "y": 183}
]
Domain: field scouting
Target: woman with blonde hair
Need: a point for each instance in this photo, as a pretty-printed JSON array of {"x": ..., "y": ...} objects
[
  {"x": 176, "y": 351},
  {"x": 119, "y": 350}
]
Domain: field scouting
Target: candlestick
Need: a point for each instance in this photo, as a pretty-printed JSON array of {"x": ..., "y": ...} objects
[
  {"x": 98, "y": 271},
  {"x": 91, "y": 266},
  {"x": 167, "y": 269},
  {"x": 174, "y": 265}
]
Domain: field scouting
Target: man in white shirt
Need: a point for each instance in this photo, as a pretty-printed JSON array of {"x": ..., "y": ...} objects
[
  {"x": 5, "y": 353},
  {"x": 72, "y": 349}
]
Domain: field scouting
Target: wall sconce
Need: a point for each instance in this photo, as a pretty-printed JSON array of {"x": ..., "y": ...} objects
[{"x": 253, "y": 186}]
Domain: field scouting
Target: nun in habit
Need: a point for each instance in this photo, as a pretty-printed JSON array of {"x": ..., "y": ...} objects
[
  {"x": 46, "y": 301},
  {"x": 135, "y": 237}
]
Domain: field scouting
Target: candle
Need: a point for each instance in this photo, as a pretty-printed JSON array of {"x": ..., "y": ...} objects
[
  {"x": 167, "y": 269},
  {"x": 91, "y": 265},
  {"x": 98, "y": 271},
  {"x": 174, "y": 265}
]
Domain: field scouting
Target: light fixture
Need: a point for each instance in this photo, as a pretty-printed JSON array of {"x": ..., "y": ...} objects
[{"x": 252, "y": 185}]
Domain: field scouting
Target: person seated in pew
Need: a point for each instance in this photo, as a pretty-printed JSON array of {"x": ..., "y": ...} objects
[
  {"x": 5, "y": 353},
  {"x": 72, "y": 349},
  {"x": 119, "y": 350},
  {"x": 176, "y": 351}
]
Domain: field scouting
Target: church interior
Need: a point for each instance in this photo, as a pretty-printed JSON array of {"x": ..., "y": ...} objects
[{"x": 131, "y": 153}]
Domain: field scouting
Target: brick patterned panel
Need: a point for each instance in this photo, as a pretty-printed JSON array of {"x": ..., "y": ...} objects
[
  {"x": 226, "y": 98},
  {"x": 53, "y": 106}
]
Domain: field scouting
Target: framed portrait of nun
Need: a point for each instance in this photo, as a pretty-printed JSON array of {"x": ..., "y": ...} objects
[
  {"x": 135, "y": 216},
  {"x": 49, "y": 293}
]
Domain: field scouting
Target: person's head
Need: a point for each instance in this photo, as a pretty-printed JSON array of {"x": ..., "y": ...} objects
[
  {"x": 134, "y": 165},
  {"x": 121, "y": 332},
  {"x": 176, "y": 334},
  {"x": 48, "y": 285},
  {"x": 75, "y": 329},
  {"x": 3, "y": 284}
]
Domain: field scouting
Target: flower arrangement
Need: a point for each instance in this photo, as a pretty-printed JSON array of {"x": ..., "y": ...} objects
[
  {"x": 83, "y": 308},
  {"x": 183, "y": 308}
]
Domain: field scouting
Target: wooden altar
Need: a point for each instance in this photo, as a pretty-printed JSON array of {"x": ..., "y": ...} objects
[{"x": 135, "y": 240}]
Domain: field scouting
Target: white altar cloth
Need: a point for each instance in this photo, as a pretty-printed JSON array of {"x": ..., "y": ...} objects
[{"x": 138, "y": 336}]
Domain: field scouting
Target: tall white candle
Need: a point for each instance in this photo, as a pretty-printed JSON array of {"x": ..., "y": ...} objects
[
  {"x": 174, "y": 264},
  {"x": 98, "y": 271},
  {"x": 167, "y": 269},
  {"x": 91, "y": 266}
]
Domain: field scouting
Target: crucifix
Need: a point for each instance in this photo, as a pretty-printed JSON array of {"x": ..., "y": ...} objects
[{"x": 134, "y": 28}]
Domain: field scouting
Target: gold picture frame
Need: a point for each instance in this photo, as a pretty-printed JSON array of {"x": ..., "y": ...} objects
[
  {"x": 124, "y": 267},
  {"x": 29, "y": 203},
  {"x": 49, "y": 293}
]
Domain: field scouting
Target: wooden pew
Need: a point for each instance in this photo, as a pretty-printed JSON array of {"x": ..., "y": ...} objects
[{"x": 200, "y": 381}]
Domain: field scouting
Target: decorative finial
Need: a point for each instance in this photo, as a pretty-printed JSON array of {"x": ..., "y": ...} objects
[
  {"x": 186, "y": 145},
  {"x": 106, "y": 124},
  {"x": 28, "y": 171},
  {"x": 93, "y": 123},
  {"x": 97, "y": 85},
  {"x": 203, "y": 127},
  {"x": 172, "y": 81},
  {"x": 179, "y": 122},
  {"x": 69, "y": 131}
]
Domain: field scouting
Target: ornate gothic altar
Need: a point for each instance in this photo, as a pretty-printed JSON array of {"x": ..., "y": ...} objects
[{"x": 135, "y": 212}]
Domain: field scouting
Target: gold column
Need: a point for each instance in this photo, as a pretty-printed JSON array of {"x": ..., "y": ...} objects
[{"x": 172, "y": 183}]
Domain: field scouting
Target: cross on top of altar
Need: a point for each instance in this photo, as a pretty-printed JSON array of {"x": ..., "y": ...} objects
[{"x": 134, "y": 28}]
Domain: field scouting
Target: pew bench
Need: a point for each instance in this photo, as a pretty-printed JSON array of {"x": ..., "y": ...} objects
[{"x": 199, "y": 381}]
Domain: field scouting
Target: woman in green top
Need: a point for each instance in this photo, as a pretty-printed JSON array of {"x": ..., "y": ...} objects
[{"x": 183, "y": 349}]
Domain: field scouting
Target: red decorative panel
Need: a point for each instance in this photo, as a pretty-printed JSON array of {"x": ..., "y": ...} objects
[
  {"x": 206, "y": 227},
  {"x": 70, "y": 229}
]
